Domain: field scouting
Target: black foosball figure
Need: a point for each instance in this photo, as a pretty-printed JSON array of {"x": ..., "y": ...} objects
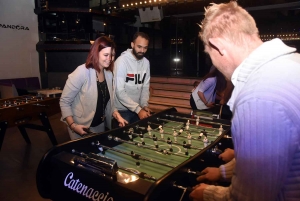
[
  {"x": 130, "y": 131},
  {"x": 185, "y": 147},
  {"x": 203, "y": 132},
  {"x": 169, "y": 142},
  {"x": 180, "y": 131},
  {"x": 142, "y": 138},
  {"x": 200, "y": 135},
  {"x": 155, "y": 141}
]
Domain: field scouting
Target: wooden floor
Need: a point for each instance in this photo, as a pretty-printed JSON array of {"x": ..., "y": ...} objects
[{"x": 19, "y": 161}]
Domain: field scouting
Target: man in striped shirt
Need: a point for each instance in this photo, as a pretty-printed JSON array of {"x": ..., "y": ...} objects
[{"x": 266, "y": 108}]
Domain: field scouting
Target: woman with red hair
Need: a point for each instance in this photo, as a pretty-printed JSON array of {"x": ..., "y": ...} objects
[{"x": 87, "y": 99}]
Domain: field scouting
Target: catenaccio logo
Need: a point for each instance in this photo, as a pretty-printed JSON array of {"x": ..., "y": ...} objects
[{"x": 84, "y": 190}]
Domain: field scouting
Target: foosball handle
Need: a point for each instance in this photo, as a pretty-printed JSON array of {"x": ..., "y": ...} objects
[
  {"x": 189, "y": 189},
  {"x": 185, "y": 189}
]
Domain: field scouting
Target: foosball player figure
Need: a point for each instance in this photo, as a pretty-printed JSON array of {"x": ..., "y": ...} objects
[
  {"x": 200, "y": 135},
  {"x": 185, "y": 147},
  {"x": 130, "y": 131},
  {"x": 161, "y": 131},
  {"x": 142, "y": 138},
  {"x": 197, "y": 121},
  {"x": 204, "y": 132},
  {"x": 187, "y": 125},
  {"x": 149, "y": 129},
  {"x": 165, "y": 151},
  {"x": 169, "y": 142},
  {"x": 216, "y": 150},
  {"x": 175, "y": 134},
  {"x": 102, "y": 151},
  {"x": 138, "y": 164},
  {"x": 189, "y": 138},
  {"x": 155, "y": 141},
  {"x": 221, "y": 129},
  {"x": 205, "y": 141},
  {"x": 180, "y": 131}
]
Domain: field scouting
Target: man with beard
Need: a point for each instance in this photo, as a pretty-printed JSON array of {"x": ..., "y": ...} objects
[{"x": 132, "y": 79}]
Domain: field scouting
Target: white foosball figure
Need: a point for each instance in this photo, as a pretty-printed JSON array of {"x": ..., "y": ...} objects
[
  {"x": 187, "y": 123},
  {"x": 221, "y": 129},
  {"x": 130, "y": 131},
  {"x": 161, "y": 131},
  {"x": 197, "y": 121},
  {"x": 175, "y": 134},
  {"x": 205, "y": 141},
  {"x": 189, "y": 138},
  {"x": 149, "y": 129}
]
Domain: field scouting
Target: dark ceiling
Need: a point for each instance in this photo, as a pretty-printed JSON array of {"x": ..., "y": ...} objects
[{"x": 196, "y": 7}]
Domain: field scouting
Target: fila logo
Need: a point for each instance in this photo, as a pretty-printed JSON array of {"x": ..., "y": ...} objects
[{"x": 136, "y": 78}]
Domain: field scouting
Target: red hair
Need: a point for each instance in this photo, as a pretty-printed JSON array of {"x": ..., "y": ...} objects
[{"x": 100, "y": 43}]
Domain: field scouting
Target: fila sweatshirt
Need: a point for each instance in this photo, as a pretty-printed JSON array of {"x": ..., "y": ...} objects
[{"x": 131, "y": 82}]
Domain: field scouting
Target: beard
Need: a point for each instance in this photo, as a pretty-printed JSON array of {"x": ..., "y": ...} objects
[{"x": 138, "y": 55}]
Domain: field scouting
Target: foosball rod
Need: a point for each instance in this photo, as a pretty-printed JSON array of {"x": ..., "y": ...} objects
[
  {"x": 194, "y": 130},
  {"x": 93, "y": 165},
  {"x": 140, "y": 145},
  {"x": 185, "y": 189},
  {"x": 133, "y": 155},
  {"x": 183, "y": 124},
  {"x": 136, "y": 134},
  {"x": 181, "y": 136},
  {"x": 138, "y": 173},
  {"x": 143, "y": 175},
  {"x": 210, "y": 122},
  {"x": 170, "y": 134}
]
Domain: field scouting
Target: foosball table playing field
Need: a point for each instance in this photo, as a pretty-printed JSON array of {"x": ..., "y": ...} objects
[{"x": 158, "y": 158}]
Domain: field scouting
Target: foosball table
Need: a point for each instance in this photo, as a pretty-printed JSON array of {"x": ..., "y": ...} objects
[
  {"x": 20, "y": 111},
  {"x": 157, "y": 158}
]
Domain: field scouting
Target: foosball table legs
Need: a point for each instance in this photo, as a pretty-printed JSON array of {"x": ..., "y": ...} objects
[
  {"x": 46, "y": 127},
  {"x": 3, "y": 127},
  {"x": 24, "y": 134}
]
